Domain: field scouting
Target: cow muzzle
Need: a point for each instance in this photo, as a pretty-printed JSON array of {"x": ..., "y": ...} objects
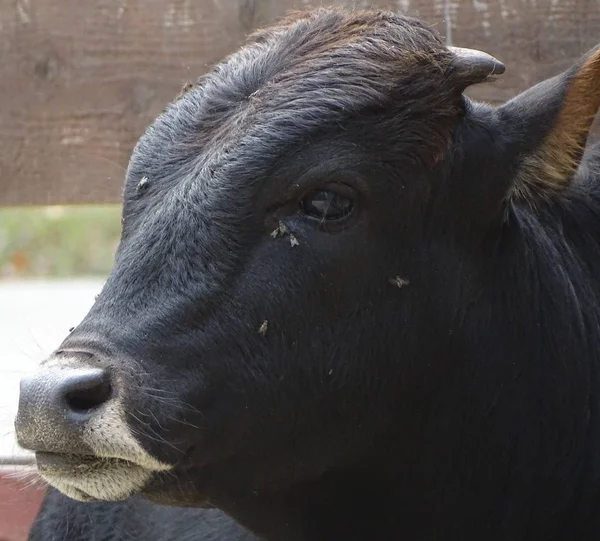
[{"x": 71, "y": 414}]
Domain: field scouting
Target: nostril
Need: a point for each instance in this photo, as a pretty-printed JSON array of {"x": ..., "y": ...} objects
[
  {"x": 86, "y": 391},
  {"x": 85, "y": 400}
]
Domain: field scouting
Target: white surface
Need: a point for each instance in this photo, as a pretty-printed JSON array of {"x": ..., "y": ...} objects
[{"x": 35, "y": 317}]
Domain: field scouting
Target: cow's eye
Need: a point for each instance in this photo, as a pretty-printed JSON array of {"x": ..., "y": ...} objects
[{"x": 327, "y": 204}]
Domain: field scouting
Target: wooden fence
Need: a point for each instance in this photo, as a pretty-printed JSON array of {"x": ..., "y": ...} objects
[{"x": 79, "y": 81}]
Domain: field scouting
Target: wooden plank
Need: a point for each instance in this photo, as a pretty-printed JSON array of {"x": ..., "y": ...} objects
[
  {"x": 20, "y": 499},
  {"x": 81, "y": 80}
]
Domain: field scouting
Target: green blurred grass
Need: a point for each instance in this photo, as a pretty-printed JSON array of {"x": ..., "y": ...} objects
[{"x": 58, "y": 241}]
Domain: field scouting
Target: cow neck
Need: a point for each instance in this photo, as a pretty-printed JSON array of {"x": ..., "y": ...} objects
[{"x": 346, "y": 506}]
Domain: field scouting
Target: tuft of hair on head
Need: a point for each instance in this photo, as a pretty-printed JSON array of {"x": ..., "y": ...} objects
[{"x": 376, "y": 56}]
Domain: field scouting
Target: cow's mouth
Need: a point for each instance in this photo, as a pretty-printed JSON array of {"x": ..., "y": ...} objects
[
  {"x": 89, "y": 478},
  {"x": 74, "y": 465}
]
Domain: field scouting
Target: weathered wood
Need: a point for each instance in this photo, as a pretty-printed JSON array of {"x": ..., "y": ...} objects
[{"x": 81, "y": 80}]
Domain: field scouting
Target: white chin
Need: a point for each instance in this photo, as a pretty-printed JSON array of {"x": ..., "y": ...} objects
[{"x": 109, "y": 482}]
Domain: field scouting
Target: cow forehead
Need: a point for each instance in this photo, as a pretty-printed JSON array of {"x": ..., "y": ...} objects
[
  {"x": 353, "y": 57},
  {"x": 287, "y": 83}
]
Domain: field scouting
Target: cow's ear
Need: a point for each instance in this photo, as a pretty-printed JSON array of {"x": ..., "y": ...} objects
[{"x": 546, "y": 130}]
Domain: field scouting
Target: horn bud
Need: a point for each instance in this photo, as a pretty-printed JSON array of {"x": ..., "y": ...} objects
[{"x": 472, "y": 66}]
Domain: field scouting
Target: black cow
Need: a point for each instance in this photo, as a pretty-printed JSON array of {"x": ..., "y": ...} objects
[{"x": 348, "y": 302}]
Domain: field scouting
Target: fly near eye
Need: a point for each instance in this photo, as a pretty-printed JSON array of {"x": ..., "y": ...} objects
[{"x": 326, "y": 205}]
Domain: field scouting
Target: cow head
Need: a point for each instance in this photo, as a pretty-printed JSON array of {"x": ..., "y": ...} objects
[{"x": 305, "y": 233}]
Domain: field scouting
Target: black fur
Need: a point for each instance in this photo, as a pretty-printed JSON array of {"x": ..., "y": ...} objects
[
  {"x": 63, "y": 519},
  {"x": 461, "y": 406}
]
